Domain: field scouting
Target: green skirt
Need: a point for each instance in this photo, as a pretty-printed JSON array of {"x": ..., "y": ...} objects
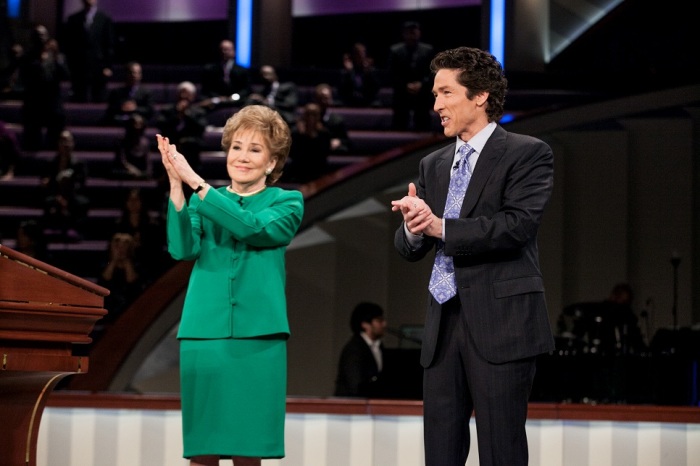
[{"x": 233, "y": 394}]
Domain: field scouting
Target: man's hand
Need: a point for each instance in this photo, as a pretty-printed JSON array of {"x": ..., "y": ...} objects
[{"x": 417, "y": 215}]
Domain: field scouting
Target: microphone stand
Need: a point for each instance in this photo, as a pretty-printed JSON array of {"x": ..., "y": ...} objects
[{"x": 675, "y": 262}]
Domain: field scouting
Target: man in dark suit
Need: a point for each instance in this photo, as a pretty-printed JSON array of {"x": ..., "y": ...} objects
[
  {"x": 184, "y": 123},
  {"x": 486, "y": 319},
  {"x": 225, "y": 83},
  {"x": 88, "y": 41},
  {"x": 361, "y": 361},
  {"x": 129, "y": 99},
  {"x": 409, "y": 72},
  {"x": 282, "y": 96}
]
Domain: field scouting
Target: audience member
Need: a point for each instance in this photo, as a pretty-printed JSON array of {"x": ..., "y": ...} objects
[
  {"x": 64, "y": 159},
  {"x": 120, "y": 274},
  {"x": 311, "y": 146},
  {"x": 31, "y": 240},
  {"x": 359, "y": 79},
  {"x": 6, "y": 54},
  {"x": 131, "y": 156},
  {"x": 41, "y": 72},
  {"x": 88, "y": 37},
  {"x": 334, "y": 122},
  {"x": 282, "y": 96},
  {"x": 10, "y": 153},
  {"x": 65, "y": 210},
  {"x": 411, "y": 80},
  {"x": 10, "y": 84},
  {"x": 147, "y": 231},
  {"x": 361, "y": 360},
  {"x": 130, "y": 98},
  {"x": 184, "y": 123},
  {"x": 225, "y": 83}
]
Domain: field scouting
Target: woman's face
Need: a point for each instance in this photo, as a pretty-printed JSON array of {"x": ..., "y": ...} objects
[{"x": 248, "y": 159}]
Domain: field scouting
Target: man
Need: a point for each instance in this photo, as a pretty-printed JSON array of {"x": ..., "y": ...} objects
[
  {"x": 224, "y": 83},
  {"x": 334, "y": 122},
  {"x": 359, "y": 79},
  {"x": 361, "y": 361},
  {"x": 184, "y": 123},
  {"x": 486, "y": 319},
  {"x": 129, "y": 99},
  {"x": 409, "y": 72},
  {"x": 282, "y": 96},
  {"x": 88, "y": 38},
  {"x": 41, "y": 71}
]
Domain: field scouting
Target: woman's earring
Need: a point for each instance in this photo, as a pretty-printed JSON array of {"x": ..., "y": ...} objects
[{"x": 268, "y": 171}]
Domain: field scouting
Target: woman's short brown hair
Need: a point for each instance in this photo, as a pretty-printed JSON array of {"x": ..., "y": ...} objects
[{"x": 274, "y": 130}]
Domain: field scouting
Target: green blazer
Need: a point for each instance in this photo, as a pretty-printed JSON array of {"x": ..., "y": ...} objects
[{"x": 237, "y": 286}]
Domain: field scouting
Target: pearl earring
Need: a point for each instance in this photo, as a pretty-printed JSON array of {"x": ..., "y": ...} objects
[{"x": 268, "y": 171}]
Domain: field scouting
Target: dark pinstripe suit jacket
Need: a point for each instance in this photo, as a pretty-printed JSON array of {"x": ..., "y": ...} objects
[{"x": 494, "y": 245}]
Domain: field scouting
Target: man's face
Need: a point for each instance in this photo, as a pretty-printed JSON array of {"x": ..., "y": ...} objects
[
  {"x": 458, "y": 114},
  {"x": 227, "y": 50},
  {"x": 376, "y": 328},
  {"x": 324, "y": 97},
  {"x": 268, "y": 74},
  {"x": 134, "y": 74}
]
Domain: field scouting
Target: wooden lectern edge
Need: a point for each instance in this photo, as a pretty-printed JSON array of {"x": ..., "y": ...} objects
[{"x": 49, "y": 269}]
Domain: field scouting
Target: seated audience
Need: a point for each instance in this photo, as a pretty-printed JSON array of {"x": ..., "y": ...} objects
[
  {"x": 31, "y": 240},
  {"x": 131, "y": 156},
  {"x": 184, "y": 123},
  {"x": 147, "y": 232},
  {"x": 120, "y": 274},
  {"x": 65, "y": 210},
  {"x": 224, "y": 82},
  {"x": 129, "y": 99},
  {"x": 282, "y": 96},
  {"x": 65, "y": 159},
  {"x": 10, "y": 153},
  {"x": 334, "y": 122},
  {"x": 359, "y": 79},
  {"x": 311, "y": 146}
]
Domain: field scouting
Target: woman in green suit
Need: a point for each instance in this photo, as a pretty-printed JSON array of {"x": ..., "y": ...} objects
[{"x": 234, "y": 328}]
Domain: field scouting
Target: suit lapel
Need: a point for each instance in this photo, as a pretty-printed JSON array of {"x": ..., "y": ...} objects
[{"x": 492, "y": 152}]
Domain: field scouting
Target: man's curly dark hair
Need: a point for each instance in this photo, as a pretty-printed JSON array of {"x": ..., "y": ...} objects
[{"x": 479, "y": 72}]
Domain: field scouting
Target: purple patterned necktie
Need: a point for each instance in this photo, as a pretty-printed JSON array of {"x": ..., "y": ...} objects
[{"x": 442, "y": 280}]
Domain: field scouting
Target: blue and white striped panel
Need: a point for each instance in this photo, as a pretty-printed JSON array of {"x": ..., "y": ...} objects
[{"x": 111, "y": 437}]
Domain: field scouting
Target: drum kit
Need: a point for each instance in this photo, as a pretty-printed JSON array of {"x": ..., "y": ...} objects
[{"x": 597, "y": 328}]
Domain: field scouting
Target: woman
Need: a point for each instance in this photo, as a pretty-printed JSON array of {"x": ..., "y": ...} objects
[
  {"x": 131, "y": 154},
  {"x": 234, "y": 326}
]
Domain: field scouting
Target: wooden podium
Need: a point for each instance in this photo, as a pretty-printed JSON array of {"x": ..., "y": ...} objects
[{"x": 43, "y": 312}]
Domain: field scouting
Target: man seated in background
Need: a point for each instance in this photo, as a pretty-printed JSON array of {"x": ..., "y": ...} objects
[
  {"x": 225, "y": 83},
  {"x": 184, "y": 122},
  {"x": 334, "y": 122},
  {"x": 282, "y": 96},
  {"x": 129, "y": 99},
  {"x": 361, "y": 360}
]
